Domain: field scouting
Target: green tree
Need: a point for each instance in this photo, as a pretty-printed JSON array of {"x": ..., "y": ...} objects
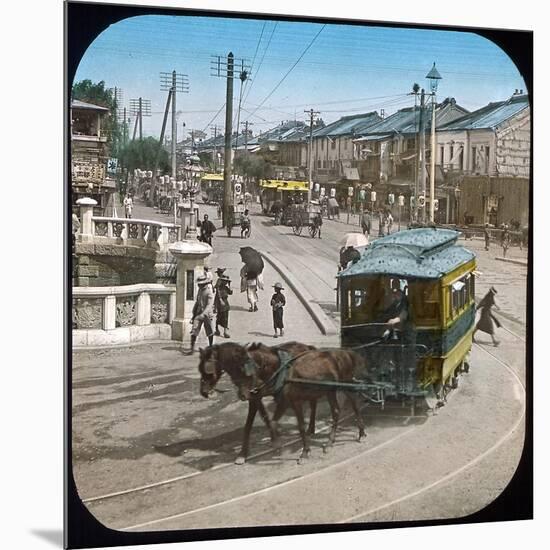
[
  {"x": 143, "y": 154},
  {"x": 96, "y": 93}
]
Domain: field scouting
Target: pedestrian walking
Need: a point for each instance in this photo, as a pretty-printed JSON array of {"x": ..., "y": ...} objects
[
  {"x": 505, "y": 241},
  {"x": 251, "y": 286},
  {"x": 219, "y": 272},
  {"x": 366, "y": 222},
  {"x": 381, "y": 222},
  {"x": 245, "y": 225},
  {"x": 487, "y": 320},
  {"x": 207, "y": 230},
  {"x": 278, "y": 302},
  {"x": 203, "y": 313},
  {"x": 487, "y": 236},
  {"x": 389, "y": 219},
  {"x": 221, "y": 305},
  {"x": 317, "y": 223},
  {"x": 128, "y": 205}
]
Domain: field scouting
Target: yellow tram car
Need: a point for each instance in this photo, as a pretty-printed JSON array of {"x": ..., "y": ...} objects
[{"x": 432, "y": 278}]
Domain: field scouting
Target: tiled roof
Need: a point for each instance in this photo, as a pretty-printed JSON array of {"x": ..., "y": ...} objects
[
  {"x": 353, "y": 124},
  {"x": 77, "y": 104},
  {"x": 490, "y": 116}
]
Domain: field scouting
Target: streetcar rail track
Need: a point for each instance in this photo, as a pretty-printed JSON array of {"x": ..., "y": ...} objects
[{"x": 382, "y": 445}]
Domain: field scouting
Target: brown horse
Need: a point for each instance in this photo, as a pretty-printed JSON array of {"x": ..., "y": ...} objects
[
  {"x": 306, "y": 368},
  {"x": 231, "y": 358}
]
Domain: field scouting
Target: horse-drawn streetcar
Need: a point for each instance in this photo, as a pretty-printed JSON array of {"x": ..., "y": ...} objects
[
  {"x": 408, "y": 306},
  {"x": 407, "y": 321}
]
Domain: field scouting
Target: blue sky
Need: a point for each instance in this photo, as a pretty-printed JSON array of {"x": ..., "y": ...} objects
[{"x": 346, "y": 70}]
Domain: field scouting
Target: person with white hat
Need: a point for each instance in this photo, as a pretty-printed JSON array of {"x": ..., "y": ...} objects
[
  {"x": 203, "y": 312},
  {"x": 278, "y": 302}
]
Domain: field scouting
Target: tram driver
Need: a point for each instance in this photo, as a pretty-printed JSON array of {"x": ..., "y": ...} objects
[{"x": 395, "y": 307}]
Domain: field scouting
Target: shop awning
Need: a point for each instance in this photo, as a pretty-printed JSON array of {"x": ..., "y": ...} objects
[
  {"x": 293, "y": 186},
  {"x": 212, "y": 177}
]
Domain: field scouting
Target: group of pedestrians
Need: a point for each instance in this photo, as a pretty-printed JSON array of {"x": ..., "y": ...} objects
[
  {"x": 385, "y": 222},
  {"x": 212, "y": 307}
]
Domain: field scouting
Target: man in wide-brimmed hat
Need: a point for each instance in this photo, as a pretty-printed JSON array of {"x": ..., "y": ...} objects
[
  {"x": 221, "y": 305},
  {"x": 278, "y": 302},
  {"x": 487, "y": 320},
  {"x": 203, "y": 312}
]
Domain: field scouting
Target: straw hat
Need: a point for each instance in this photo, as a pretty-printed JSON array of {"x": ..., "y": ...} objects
[{"x": 278, "y": 286}]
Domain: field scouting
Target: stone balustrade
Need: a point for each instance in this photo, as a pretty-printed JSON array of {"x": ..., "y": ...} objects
[
  {"x": 106, "y": 316},
  {"x": 132, "y": 231}
]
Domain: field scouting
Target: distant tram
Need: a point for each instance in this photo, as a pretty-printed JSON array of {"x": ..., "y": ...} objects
[
  {"x": 212, "y": 188},
  {"x": 284, "y": 192},
  {"x": 408, "y": 306}
]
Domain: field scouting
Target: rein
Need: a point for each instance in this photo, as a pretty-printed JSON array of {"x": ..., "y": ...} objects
[{"x": 278, "y": 378}]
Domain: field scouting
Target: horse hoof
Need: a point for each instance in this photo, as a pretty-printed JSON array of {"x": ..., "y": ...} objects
[{"x": 240, "y": 460}]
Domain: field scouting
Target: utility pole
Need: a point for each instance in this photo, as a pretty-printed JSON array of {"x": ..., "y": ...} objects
[
  {"x": 312, "y": 115},
  {"x": 174, "y": 82},
  {"x": 227, "y": 186},
  {"x": 422, "y": 154},
  {"x": 161, "y": 139},
  {"x": 246, "y": 124},
  {"x": 139, "y": 108},
  {"x": 215, "y": 130},
  {"x": 432, "y": 164},
  {"x": 222, "y": 68}
]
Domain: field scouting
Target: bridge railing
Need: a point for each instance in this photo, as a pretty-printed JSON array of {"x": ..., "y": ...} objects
[
  {"x": 135, "y": 231},
  {"x": 122, "y": 314}
]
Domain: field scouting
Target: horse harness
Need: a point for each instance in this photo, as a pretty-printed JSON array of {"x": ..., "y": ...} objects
[
  {"x": 280, "y": 377},
  {"x": 277, "y": 379}
]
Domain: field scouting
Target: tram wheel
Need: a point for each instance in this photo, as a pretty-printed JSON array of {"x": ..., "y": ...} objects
[{"x": 466, "y": 366}]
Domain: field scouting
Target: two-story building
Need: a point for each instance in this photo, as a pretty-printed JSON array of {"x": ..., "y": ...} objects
[
  {"x": 333, "y": 152},
  {"x": 89, "y": 156},
  {"x": 388, "y": 152},
  {"x": 486, "y": 158}
]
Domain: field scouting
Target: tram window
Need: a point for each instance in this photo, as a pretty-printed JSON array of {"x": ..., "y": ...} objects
[
  {"x": 462, "y": 293},
  {"x": 425, "y": 300}
]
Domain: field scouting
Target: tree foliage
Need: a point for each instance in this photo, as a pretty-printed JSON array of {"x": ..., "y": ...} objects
[
  {"x": 253, "y": 167},
  {"x": 142, "y": 154},
  {"x": 98, "y": 94}
]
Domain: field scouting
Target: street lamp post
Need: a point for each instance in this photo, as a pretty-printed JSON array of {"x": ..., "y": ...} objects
[{"x": 433, "y": 77}]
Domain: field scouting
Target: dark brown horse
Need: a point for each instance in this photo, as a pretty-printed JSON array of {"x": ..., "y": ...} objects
[
  {"x": 233, "y": 358},
  {"x": 323, "y": 366}
]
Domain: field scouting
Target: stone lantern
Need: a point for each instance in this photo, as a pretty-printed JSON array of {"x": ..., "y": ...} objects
[{"x": 190, "y": 256}]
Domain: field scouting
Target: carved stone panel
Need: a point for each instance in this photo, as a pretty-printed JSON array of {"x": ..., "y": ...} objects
[
  {"x": 125, "y": 311},
  {"x": 133, "y": 230},
  {"x": 159, "y": 308},
  {"x": 118, "y": 228},
  {"x": 87, "y": 313},
  {"x": 101, "y": 229},
  {"x": 172, "y": 234}
]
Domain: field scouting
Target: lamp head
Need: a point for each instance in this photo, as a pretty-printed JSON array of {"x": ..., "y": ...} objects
[{"x": 434, "y": 77}]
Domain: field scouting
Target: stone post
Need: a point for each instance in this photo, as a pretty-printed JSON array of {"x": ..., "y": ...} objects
[
  {"x": 86, "y": 212},
  {"x": 190, "y": 257}
]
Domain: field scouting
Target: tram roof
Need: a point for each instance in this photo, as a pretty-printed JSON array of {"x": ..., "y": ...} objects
[{"x": 426, "y": 253}]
